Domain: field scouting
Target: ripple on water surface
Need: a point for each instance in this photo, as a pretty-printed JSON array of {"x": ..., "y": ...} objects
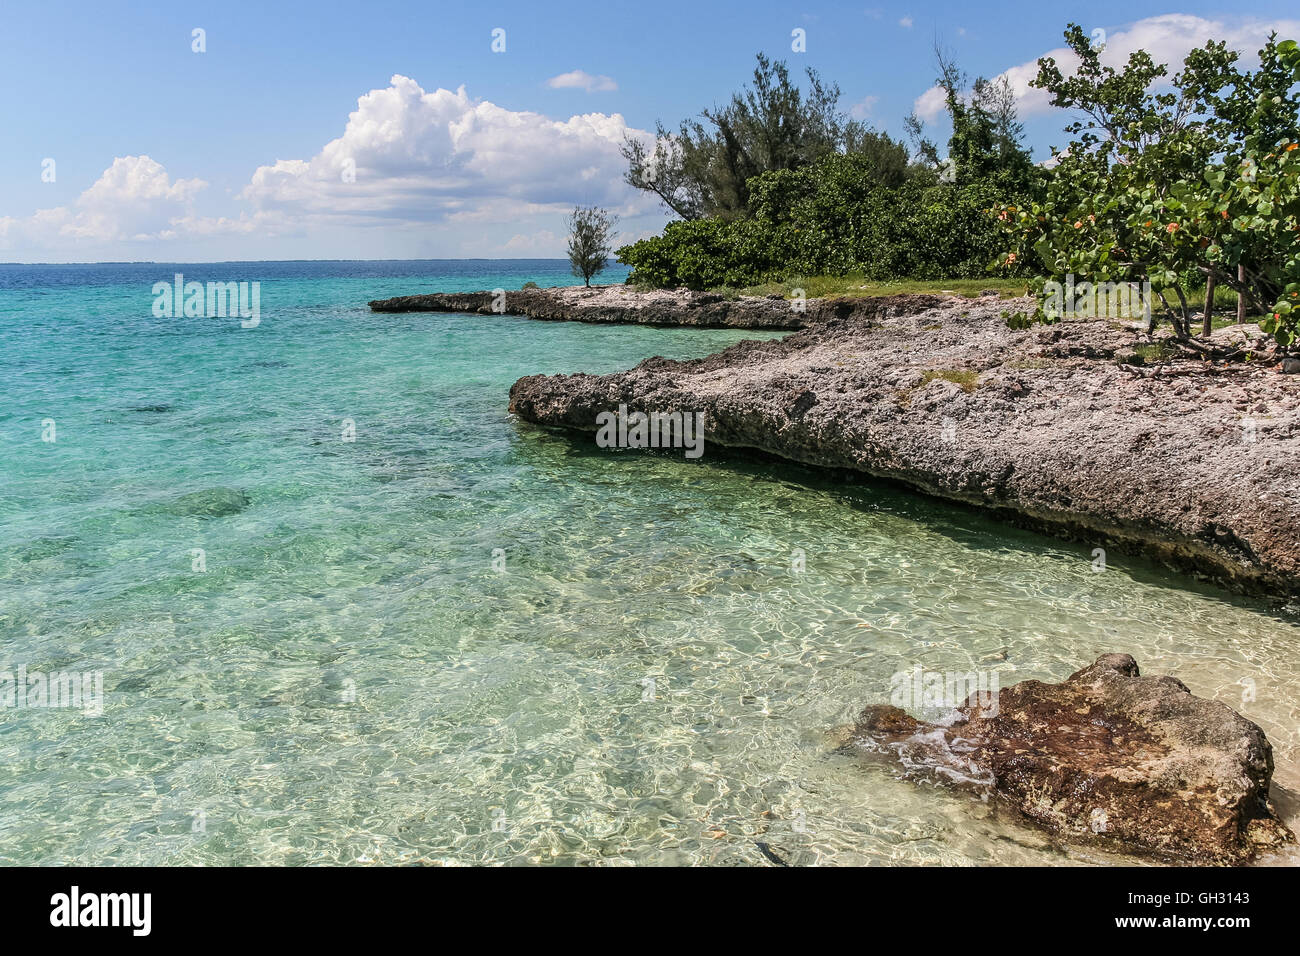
[{"x": 647, "y": 679}]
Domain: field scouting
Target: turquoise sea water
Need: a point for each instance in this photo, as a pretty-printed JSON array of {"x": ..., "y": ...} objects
[{"x": 347, "y": 676}]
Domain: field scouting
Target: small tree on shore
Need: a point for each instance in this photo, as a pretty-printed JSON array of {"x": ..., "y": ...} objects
[{"x": 591, "y": 233}]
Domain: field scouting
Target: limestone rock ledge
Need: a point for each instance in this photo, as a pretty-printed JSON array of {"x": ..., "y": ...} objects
[
  {"x": 1054, "y": 427},
  {"x": 622, "y": 305}
]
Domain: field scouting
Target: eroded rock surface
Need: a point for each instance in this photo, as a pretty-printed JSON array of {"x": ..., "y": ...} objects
[
  {"x": 620, "y": 304},
  {"x": 1108, "y": 756},
  {"x": 1053, "y": 427}
]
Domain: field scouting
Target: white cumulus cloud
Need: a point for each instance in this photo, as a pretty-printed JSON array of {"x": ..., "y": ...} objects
[
  {"x": 492, "y": 178},
  {"x": 862, "y": 108},
  {"x": 582, "y": 80},
  {"x": 416, "y": 156},
  {"x": 133, "y": 199},
  {"x": 930, "y": 103},
  {"x": 1168, "y": 38}
]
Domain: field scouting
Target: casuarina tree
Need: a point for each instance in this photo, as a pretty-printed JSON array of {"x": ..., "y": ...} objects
[{"x": 591, "y": 231}]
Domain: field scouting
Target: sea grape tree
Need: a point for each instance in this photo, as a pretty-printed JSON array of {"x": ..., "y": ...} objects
[{"x": 1174, "y": 184}]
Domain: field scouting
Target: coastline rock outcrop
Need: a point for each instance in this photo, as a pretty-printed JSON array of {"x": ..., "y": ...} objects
[
  {"x": 622, "y": 305},
  {"x": 1106, "y": 756},
  {"x": 1085, "y": 429}
]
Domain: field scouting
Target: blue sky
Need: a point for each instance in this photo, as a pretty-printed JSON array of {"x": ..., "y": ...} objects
[{"x": 243, "y": 151}]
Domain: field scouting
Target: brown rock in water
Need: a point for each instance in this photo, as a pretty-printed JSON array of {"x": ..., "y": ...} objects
[{"x": 1135, "y": 763}]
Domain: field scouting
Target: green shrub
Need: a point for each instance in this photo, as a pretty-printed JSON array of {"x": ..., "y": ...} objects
[{"x": 830, "y": 218}]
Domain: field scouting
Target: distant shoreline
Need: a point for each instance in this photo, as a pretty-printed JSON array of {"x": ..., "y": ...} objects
[{"x": 613, "y": 304}]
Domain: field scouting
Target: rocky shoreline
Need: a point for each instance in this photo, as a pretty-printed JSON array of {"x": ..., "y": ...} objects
[
  {"x": 1107, "y": 756},
  {"x": 622, "y": 305},
  {"x": 1084, "y": 429}
]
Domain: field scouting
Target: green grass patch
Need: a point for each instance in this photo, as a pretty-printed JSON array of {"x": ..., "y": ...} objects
[
  {"x": 1155, "y": 352},
  {"x": 967, "y": 379}
]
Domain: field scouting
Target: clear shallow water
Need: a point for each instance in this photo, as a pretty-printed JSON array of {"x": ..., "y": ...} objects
[{"x": 351, "y": 680}]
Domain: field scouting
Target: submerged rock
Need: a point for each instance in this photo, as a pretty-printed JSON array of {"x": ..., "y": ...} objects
[
  {"x": 1108, "y": 756},
  {"x": 209, "y": 503},
  {"x": 38, "y": 549}
]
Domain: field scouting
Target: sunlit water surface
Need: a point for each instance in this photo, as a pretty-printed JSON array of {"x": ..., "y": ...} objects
[{"x": 642, "y": 677}]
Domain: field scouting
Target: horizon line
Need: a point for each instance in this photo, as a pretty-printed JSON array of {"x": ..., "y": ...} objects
[{"x": 205, "y": 262}]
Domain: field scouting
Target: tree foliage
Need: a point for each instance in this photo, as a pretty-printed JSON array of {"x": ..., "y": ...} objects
[
  {"x": 986, "y": 132},
  {"x": 1171, "y": 180},
  {"x": 704, "y": 168},
  {"x": 849, "y": 200},
  {"x": 829, "y": 219},
  {"x": 591, "y": 232},
  {"x": 1161, "y": 183}
]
